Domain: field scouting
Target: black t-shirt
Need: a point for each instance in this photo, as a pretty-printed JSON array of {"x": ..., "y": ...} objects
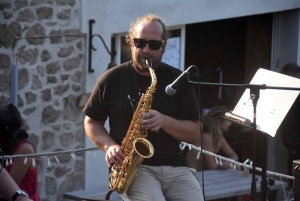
[{"x": 117, "y": 93}]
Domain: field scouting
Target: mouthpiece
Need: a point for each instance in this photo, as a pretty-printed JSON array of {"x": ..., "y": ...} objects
[{"x": 148, "y": 63}]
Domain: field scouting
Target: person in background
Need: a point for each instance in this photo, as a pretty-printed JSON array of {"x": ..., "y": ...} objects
[
  {"x": 213, "y": 129},
  {"x": 9, "y": 190},
  {"x": 13, "y": 141},
  {"x": 171, "y": 119},
  {"x": 290, "y": 126}
]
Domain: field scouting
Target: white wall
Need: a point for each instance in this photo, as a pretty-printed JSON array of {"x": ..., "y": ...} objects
[{"x": 115, "y": 16}]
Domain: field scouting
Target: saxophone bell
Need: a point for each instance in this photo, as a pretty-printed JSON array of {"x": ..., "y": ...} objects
[{"x": 143, "y": 147}]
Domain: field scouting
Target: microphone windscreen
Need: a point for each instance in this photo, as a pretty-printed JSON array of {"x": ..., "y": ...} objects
[{"x": 170, "y": 91}]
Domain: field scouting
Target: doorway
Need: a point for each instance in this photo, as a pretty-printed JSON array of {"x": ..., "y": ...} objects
[{"x": 230, "y": 51}]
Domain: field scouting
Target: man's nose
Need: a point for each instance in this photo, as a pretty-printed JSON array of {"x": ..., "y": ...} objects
[{"x": 147, "y": 48}]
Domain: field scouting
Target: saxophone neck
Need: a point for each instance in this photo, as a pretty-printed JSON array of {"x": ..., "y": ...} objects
[
  {"x": 149, "y": 63},
  {"x": 153, "y": 77},
  {"x": 152, "y": 73}
]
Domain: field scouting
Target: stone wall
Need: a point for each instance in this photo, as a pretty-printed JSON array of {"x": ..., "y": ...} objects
[{"x": 42, "y": 37}]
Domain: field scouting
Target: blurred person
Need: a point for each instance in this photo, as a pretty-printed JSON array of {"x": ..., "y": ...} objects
[
  {"x": 12, "y": 142},
  {"x": 171, "y": 119},
  {"x": 290, "y": 126},
  {"x": 213, "y": 129},
  {"x": 9, "y": 190}
]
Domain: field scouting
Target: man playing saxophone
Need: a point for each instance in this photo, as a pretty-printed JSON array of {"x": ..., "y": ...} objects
[{"x": 171, "y": 119}]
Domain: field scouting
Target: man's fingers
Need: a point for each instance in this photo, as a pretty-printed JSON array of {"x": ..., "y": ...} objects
[
  {"x": 155, "y": 129},
  {"x": 116, "y": 160},
  {"x": 108, "y": 161},
  {"x": 114, "y": 155}
]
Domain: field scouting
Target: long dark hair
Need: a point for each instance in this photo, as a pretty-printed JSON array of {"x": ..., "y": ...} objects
[
  {"x": 10, "y": 128},
  {"x": 212, "y": 125}
]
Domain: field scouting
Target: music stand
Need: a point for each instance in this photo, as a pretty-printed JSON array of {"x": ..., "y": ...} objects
[{"x": 244, "y": 109}]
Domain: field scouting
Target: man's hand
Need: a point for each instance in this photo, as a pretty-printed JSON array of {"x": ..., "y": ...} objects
[
  {"x": 114, "y": 155},
  {"x": 152, "y": 120}
]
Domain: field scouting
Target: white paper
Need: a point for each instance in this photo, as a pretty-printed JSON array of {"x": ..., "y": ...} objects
[{"x": 273, "y": 104}]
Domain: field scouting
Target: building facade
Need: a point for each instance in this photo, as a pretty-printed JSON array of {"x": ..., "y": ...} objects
[{"x": 48, "y": 42}]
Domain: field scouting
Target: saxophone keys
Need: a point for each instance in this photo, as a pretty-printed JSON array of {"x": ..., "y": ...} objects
[{"x": 144, "y": 134}]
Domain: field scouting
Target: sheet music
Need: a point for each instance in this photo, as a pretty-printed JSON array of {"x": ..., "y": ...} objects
[{"x": 273, "y": 104}]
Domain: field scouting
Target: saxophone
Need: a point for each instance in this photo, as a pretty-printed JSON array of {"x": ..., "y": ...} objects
[{"x": 134, "y": 146}]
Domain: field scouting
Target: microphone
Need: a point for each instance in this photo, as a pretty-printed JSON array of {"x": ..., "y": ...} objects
[{"x": 172, "y": 88}]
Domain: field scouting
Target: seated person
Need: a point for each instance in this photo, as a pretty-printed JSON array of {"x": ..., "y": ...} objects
[
  {"x": 213, "y": 127},
  {"x": 12, "y": 142}
]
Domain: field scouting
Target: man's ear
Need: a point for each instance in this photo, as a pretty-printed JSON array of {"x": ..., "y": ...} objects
[{"x": 131, "y": 45}]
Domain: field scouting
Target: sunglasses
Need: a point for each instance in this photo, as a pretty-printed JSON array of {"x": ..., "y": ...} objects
[{"x": 153, "y": 44}]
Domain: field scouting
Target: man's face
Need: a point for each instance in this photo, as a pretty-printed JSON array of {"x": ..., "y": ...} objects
[{"x": 147, "y": 31}]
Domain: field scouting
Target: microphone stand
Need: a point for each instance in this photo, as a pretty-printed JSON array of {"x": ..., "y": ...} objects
[{"x": 254, "y": 96}]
